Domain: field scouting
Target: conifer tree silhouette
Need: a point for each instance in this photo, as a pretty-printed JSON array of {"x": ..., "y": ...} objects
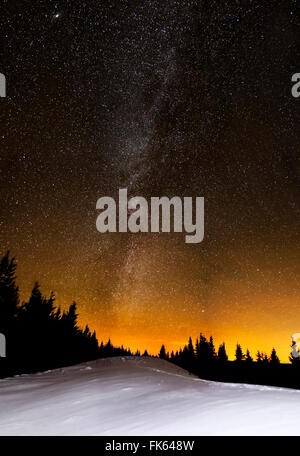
[
  {"x": 211, "y": 350},
  {"x": 190, "y": 354},
  {"x": 222, "y": 355},
  {"x": 258, "y": 357},
  {"x": 162, "y": 353},
  {"x": 239, "y": 356},
  {"x": 203, "y": 352},
  {"x": 265, "y": 359},
  {"x": 274, "y": 360},
  {"x": 248, "y": 359},
  {"x": 9, "y": 293}
]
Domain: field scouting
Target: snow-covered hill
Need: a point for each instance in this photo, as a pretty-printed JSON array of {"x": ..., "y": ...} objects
[{"x": 141, "y": 396}]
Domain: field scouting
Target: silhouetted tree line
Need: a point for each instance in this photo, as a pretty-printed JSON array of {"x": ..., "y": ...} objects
[
  {"x": 204, "y": 355},
  {"x": 204, "y": 360},
  {"x": 40, "y": 336},
  {"x": 209, "y": 362}
]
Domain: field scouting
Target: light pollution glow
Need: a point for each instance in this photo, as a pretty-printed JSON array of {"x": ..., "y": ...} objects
[{"x": 157, "y": 301}]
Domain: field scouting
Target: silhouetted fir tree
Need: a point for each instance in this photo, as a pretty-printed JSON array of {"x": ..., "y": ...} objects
[
  {"x": 248, "y": 359},
  {"x": 274, "y": 360},
  {"x": 9, "y": 302},
  {"x": 258, "y": 358},
  {"x": 190, "y": 354},
  {"x": 69, "y": 332},
  {"x": 9, "y": 293},
  {"x": 265, "y": 359},
  {"x": 87, "y": 344},
  {"x": 162, "y": 353},
  {"x": 197, "y": 351},
  {"x": 36, "y": 324},
  {"x": 108, "y": 348},
  {"x": 203, "y": 355},
  {"x": 76, "y": 345},
  {"x": 185, "y": 357},
  {"x": 145, "y": 353},
  {"x": 222, "y": 355},
  {"x": 191, "y": 348},
  {"x": 239, "y": 356},
  {"x": 211, "y": 350},
  {"x": 94, "y": 344},
  {"x": 178, "y": 357}
]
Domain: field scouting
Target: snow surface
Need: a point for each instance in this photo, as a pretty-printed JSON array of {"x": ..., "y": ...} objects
[{"x": 141, "y": 396}]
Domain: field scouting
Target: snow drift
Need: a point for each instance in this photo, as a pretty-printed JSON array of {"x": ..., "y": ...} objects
[{"x": 141, "y": 396}]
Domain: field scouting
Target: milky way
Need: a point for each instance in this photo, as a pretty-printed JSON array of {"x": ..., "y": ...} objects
[{"x": 189, "y": 98}]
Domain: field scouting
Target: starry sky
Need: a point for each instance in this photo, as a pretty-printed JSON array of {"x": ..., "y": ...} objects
[{"x": 185, "y": 98}]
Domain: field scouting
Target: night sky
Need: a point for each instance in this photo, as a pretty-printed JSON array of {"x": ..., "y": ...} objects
[{"x": 165, "y": 98}]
